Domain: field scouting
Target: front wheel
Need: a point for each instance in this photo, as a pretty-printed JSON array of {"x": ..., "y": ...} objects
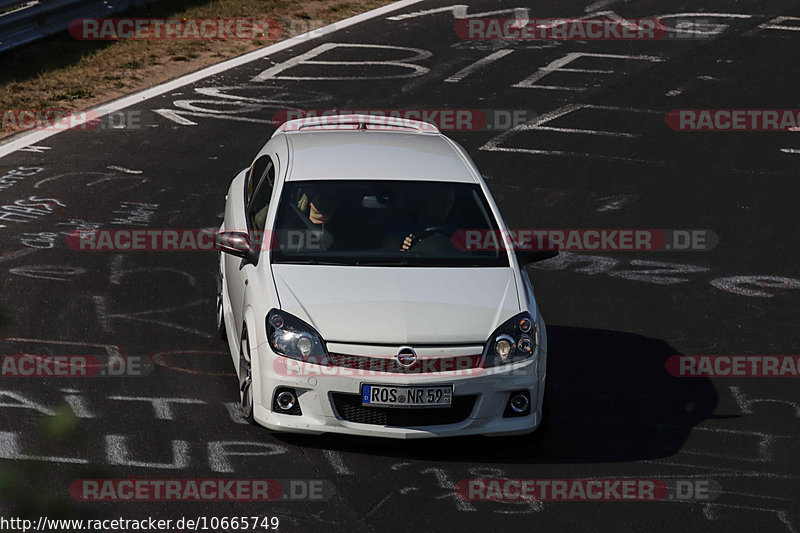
[
  {"x": 221, "y": 331},
  {"x": 245, "y": 379}
]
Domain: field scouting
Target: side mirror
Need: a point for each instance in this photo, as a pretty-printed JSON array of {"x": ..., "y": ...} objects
[
  {"x": 534, "y": 252},
  {"x": 237, "y": 243}
]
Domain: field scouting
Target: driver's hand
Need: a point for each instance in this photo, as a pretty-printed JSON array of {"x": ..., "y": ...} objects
[{"x": 407, "y": 242}]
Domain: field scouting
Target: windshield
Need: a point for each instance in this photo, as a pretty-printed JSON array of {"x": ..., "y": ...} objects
[{"x": 381, "y": 223}]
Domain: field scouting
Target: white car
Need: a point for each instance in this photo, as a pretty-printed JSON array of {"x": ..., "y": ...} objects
[{"x": 349, "y": 305}]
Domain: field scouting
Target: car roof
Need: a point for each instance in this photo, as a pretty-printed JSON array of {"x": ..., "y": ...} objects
[{"x": 365, "y": 154}]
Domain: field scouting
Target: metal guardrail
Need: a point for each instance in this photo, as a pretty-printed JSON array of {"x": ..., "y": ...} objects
[{"x": 34, "y": 20}]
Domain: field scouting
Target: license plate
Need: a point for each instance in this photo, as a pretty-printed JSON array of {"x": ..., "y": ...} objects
[{"x": 385, "y": 396}]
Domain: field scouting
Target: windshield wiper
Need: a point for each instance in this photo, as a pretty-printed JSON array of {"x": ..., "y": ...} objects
[
  {"x": 313, "y": 262},
  {"x": 383, "y": 263}
]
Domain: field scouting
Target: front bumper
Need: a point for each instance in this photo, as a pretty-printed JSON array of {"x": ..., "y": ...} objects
[{"x": 330, "y": 396}]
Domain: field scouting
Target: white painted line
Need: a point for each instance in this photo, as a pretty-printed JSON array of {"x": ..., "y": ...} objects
[
  {"x": 16, "y": 255},
  {"x": 586, "y": 70},
  {"x": 600, "y": 4},
  {"x": 35, "y": 149},
  {"x": 417, "y": 54},
  {"x": 554, "y": 87},
  {"x": 123, "y": 169},
  {"x": 790, "y": 150},
  {"x": 773, "y": 24},
  {"x": 491, "y": 58},
  {"x": 559, "y": 64},
  {"x": 577, "y": 154},
  {"x": 459, "y": 11},
  {"x": 32, "y": 138},
  {"x": 9, "y": 449},
  {"x": 118, "y": 453},
  {"x": 494, "y": 144},
  {"x": 589, "y": 132},
  {"x": 337, "y": 462}
]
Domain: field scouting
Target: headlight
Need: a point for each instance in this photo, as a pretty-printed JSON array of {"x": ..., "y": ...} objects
[
  {"x": 516, "y": 339},
  {"x": 291, "y": 337}
]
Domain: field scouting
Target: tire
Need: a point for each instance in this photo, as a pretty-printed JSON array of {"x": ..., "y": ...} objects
[
  {"x": 245, "y": 380},
  {"x": 221, "y": 331}
]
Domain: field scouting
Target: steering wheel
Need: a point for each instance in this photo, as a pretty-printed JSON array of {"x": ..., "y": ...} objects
[{"x": 429, "y": 232}]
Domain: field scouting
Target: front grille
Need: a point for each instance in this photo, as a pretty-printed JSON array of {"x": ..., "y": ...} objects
[
  {"x": 349, "y": 407},
  {"x": 392, "y": 366}
]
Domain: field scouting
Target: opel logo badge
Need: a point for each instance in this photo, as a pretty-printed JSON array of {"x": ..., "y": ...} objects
[{"x": 406, "y": 357}]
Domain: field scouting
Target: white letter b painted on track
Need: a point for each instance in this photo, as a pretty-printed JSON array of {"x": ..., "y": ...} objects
[{"x": 405, "y": 63}]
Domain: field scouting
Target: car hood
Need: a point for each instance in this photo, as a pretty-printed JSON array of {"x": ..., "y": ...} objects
[{"x": 398, "y": 305}]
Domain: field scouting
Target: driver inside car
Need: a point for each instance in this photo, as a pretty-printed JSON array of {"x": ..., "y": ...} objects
[{"x": 431, "y": 219}]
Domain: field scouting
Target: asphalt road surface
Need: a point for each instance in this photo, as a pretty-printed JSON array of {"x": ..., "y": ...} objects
[{"x": 595, "y": 152}]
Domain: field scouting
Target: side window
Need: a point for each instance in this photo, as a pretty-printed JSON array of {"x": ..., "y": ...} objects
[{"x": 259, "y": 190}]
